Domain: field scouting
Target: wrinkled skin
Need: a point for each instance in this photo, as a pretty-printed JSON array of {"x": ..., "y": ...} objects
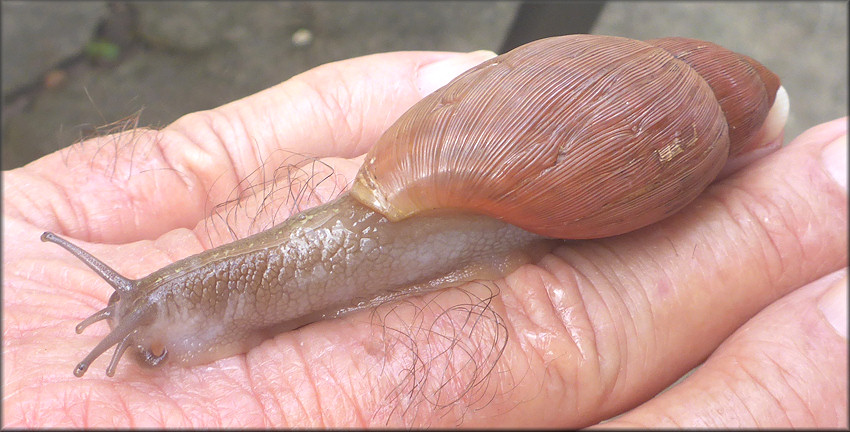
[{"x": 595, "y": 329}]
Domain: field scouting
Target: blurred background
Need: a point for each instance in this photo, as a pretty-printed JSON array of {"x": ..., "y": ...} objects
[{"x": 73, "y": 69}]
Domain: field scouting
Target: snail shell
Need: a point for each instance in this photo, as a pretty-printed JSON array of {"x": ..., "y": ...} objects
[{"x": 576, "y": 136}]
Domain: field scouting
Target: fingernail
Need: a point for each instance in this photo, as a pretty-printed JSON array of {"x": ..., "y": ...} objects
[
  {"x": 767, "y": 140},
  {"x": 833, "y": 306},
  {"x": 774, "y": 124},
  {"x": 834, "y": 160},
  {"x": 437, "y": 74}
]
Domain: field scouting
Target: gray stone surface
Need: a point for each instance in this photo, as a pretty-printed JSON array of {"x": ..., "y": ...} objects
[
  {"x": 805, "y": 43},
  {"x": 190, "y": 56},
  {"x": 38, "y": 35},
  {"x": 165, "y": 24},
  {"x": 206, "y": 54}
]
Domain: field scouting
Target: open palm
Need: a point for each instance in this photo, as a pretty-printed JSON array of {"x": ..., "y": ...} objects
[{"x": 594, "y": 329}]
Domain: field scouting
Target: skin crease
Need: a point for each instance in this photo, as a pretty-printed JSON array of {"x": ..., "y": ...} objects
[{"x": 580, "y": 348}]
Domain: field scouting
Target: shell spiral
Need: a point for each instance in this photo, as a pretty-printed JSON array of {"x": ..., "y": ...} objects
[{"x": 575, "y": 136}]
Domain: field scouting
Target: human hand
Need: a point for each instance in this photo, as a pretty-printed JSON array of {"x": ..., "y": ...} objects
[{"x": 594, "y": 329}]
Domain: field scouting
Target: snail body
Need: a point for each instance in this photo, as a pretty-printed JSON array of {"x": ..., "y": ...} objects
[{"x": 570, "y": 137}]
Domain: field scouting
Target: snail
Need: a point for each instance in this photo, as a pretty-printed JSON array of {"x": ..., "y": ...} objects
[{"x": 570, "y": 137}]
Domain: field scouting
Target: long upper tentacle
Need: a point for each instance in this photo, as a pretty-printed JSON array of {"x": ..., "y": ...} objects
[{"x": 112, "y": 277}]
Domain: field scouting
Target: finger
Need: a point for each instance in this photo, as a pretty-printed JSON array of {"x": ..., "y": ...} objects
[
  {"x": 639, "y": 310},
  {"x": 601, "y": 326},
  {"x": 141, "y": 183},
  {"x": 768, "y": 139},
  {"x": 785, "y": 368}
]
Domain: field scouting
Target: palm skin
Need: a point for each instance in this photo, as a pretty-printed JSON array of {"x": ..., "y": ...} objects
[{"x": 594, "y": 329}]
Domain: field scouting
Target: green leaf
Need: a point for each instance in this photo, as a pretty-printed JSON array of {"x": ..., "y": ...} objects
[{"x": 102, "y": 50}]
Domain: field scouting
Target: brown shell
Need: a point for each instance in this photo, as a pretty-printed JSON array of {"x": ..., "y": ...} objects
[{"x": 575, "y": 136}]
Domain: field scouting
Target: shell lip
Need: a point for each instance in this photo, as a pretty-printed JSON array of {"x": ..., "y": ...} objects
[{"x": 366, "y": 192}]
